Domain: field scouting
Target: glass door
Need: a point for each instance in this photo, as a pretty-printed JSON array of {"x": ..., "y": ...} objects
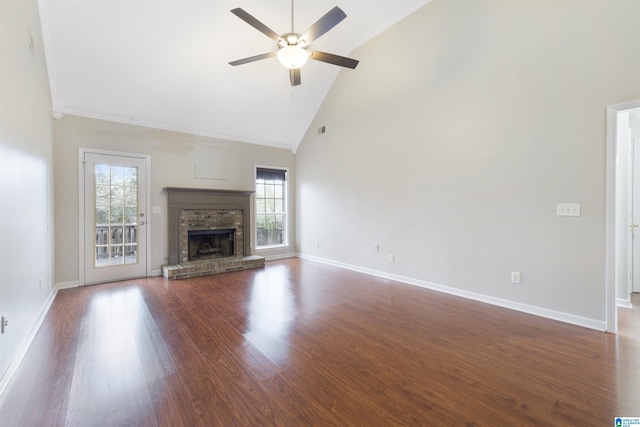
[{"x": 115, "y": 217}]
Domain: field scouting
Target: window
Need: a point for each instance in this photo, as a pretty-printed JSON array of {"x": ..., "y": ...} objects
[
  {"x": 116, "y": 205},
  {"x": 271, "y": 207}
]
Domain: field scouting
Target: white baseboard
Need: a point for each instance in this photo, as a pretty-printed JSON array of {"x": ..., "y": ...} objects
[
  {"x": 68, "y": 285},
  {"x": 280, "y": 256},
  {"x": 624, "y": 303},
  {"x": 77, "y": 283},
  {"x": 599, "y": 325},
  {"x": 8, "y": 375}
]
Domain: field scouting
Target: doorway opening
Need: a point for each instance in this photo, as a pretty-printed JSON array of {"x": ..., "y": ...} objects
[{"x": 623, "y": 218}]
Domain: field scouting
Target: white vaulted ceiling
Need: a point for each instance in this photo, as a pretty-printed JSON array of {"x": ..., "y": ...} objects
[{"x": 164, "y": 64}]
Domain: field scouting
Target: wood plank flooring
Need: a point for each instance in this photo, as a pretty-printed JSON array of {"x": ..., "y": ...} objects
[{"x": 305, "y": 344}]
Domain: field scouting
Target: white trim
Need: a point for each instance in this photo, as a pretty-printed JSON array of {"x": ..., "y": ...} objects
[
  {"x": 610, "y": 222},
  {"x": 586, "y": 322},
  {"x": 630, "y": 160},
  {"x": 624, "y": 303},
  {"x": 288, "y": 199},
  {"x": 81, "y": 218},
  {"x": 273, "y": 247},
  {"x": 81, "y": 153},
  {"x": 392, "y": 19},
  {"x": 72, "y": 111},
  {"x": 13, "y": 367},
  {"x": 69, "y": 285},
  {"x": 57, "y": 107},
  {"x": 156, "y": 273},
  {"x": 280, "y": 256}
]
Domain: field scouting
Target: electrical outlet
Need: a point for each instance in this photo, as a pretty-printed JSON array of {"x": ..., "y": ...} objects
[
  {"x": 568, "y": 209},
  {"x": 515, "y": 277},
  {"x": 156, "y": 209},
  {"x": 390, "y": 257},
  {"x": 376, "y": 247}
]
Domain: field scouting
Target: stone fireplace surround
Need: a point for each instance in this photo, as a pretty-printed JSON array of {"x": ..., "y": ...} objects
[{"x": 204, "y": 209}]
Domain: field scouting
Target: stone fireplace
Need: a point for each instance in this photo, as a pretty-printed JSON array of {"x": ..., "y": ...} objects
[
  {"x": 202, "y": 226},
  {"x": 209, "y": 232}
]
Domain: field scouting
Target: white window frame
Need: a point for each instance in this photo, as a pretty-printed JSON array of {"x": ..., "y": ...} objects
[{"x": 285, "y": 192}]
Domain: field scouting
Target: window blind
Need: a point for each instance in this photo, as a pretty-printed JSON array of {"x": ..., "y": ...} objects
[{"x": 271, "y": 174}]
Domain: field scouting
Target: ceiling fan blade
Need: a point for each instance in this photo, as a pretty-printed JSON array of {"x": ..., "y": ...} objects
[
  {"x": 246, "y": 17},
  {"x": 324, "y": 24},
  {"x": 294, "y": 76},
  {"x": 334, "y": 59},
  {"x": 252, "y": 59}
]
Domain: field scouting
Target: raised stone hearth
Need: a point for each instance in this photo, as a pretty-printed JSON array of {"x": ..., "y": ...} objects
[
  {"x": 205, "y": 267},
  {"x": 198, "y": 212}
]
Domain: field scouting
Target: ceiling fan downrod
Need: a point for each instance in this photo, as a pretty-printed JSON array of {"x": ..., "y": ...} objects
[{"x": 292, "y": 16}]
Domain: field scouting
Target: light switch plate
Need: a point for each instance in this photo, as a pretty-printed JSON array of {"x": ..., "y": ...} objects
[{"x": 568, "y": 209}]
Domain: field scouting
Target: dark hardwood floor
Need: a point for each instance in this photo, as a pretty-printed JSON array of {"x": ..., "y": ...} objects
[{"x": 301, "y": 343}]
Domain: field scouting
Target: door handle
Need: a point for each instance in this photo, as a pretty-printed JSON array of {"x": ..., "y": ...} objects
[{"x": 634, "y": 225}]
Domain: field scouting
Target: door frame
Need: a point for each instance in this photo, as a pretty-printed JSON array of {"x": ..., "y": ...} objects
[
  {"x": 621, "y": 228},
  {"x": 611, "y": 222},
  {"x": 633, "y": 200},
  {"x": 81, "y": 208}
]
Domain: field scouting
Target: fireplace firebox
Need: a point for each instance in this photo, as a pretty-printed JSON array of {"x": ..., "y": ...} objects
[{"x": 208, "y": 244}]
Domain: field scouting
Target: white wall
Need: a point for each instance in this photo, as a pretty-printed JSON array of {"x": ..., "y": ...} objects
[
  {"x": 452, "y": 142},
  {"x": 173, "y": 158},
  {"x": 26, "y": 207}
]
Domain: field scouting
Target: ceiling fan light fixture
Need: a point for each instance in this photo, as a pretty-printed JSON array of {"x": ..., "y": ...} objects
[
  {"x": 292, "y": 47},
  {"x": 292, "y": 56}
]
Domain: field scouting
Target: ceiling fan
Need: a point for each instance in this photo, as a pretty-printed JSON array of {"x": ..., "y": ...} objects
[{"x": 292, "y": 47}]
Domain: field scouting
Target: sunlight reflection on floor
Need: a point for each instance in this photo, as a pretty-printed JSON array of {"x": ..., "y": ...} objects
[
  {"x": 109, "y": 374},
  {"x": 271, "y": 312}
]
